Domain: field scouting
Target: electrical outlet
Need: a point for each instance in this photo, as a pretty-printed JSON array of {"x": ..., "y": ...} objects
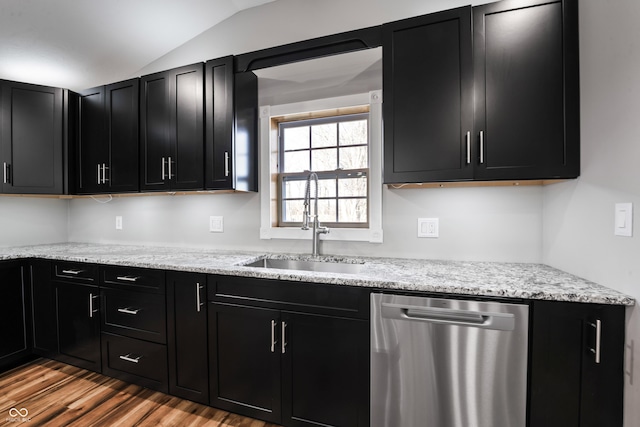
[
  {"x": 118, "y": 223},
  {"x": 428, "y": 227},
  {"x": 216, "y": 224}
]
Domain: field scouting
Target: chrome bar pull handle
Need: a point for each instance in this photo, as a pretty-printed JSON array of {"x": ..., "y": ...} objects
[
  {"x": 282, "y": 339},
  {"x": 4, "y": 171},
  {"x": 596, "y": 351},
  {"x": 481, "y": 147},
  {"x": 169, "y": 163},
  {"x": 91, "y": 309},
  {"x": 99, "y": 174},
  {"x": 128, "y": 358},
  {"x": 7, "y": 173},
  {"x": 273, "y": 336},
  {"x": 163, "y": 170},
  {"x": 128, "y": 278},
  {"x": 129, "y": 310},
  {"x": 199, "y": 304},
  {"x": 226, "y": 163},
  {"x": 104, "y": 173},
  {"x": 73, "y": 272},
  {"x": 468, "y": 142}
]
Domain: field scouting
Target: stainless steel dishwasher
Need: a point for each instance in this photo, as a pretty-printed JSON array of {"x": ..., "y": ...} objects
[{"x": 447, "y": 362}]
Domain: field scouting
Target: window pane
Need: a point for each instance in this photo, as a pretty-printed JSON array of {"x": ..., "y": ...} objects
[
  {"x": 326, "y": 210},
  {"x": 294, "y": 189},
  {"x": 353, "y": 157},
  {"x": 296, "y": 138},
  {"x": 354, "y": 132},
  {"x": 292, "y": 210},
  {"x": 352, "y": 210},
  {"x": 326, "y": 188},
  {"x": 352, "y": 187},
  {"x": 325, "y": 159},
  {"x": 324, "y": 135},
  {"x": 296, "y": 161}
]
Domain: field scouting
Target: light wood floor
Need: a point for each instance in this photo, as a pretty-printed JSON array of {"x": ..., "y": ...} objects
[{"x": 56, "y": 394}]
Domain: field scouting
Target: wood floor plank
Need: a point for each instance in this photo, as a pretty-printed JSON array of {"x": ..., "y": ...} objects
[{"x": 56, "y": 394}]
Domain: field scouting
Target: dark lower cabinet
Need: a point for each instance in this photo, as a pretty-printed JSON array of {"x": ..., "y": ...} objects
[
  {"x": 15, "y": 334},
  {"x": 289, "y": 355},
  {"x": 187, "y": 336},
  {"x": 577, "y": 365},
  {"x": 78, "y": 328},
  {"x": 244, "y": 348},
  {"x": 45, "y": 334},
  {"x": 324, "y": 379}
]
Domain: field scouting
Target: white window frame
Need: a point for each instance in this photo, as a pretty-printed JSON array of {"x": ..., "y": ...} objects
[{"x": 268, "y": 142}]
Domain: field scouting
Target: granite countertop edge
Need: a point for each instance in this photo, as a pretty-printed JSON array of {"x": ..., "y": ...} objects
[{"x": 491, "y": 279}]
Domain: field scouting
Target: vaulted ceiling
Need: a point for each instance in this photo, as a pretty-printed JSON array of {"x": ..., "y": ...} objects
[{"x": 82, "y": 43}]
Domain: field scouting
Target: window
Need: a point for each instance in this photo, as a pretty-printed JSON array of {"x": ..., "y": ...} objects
[
  {"x": 336, "y": 148},
  {"x": 322, "y": 122}
]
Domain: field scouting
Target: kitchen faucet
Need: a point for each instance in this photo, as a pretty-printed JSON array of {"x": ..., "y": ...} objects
[{"x": 316, "y": 227}]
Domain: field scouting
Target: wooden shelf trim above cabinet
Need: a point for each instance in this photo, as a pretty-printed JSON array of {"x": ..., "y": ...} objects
[{"x": 461, "y": 184}]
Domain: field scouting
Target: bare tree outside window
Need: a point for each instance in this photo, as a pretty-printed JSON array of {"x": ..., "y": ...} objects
[{"x": 337, "y": 149}]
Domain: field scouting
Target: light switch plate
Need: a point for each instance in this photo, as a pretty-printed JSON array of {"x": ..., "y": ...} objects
[
  {"x": 118, "y": 222},
  {"x": 216, "y": 224},
  {"x": 624, "y": 219},
  {"x": 428, "y": 227}
]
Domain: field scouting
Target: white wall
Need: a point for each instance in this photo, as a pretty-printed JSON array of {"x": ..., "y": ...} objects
[
  {"x": 31, "y": 221},
  {"x": 579, "y": 216}
]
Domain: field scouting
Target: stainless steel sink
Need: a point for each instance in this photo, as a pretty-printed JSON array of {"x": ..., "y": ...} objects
[{"x": 306, "y": 265}]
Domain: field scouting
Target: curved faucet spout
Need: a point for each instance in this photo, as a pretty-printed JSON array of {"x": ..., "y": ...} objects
[{"x": 316, "y": 227}]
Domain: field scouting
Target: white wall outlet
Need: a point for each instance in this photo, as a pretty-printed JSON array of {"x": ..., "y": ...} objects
[
  {"x": 216, "y": 224},
  {"x": 624, "y": 220},
  {"x": 118, "y": 223},
  {"x": 429, "y": 227}
]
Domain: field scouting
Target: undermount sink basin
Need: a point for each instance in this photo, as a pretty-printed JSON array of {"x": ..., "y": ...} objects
[{"x": 306, "y": 265}]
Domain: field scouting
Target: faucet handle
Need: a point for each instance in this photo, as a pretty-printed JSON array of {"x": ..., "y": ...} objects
[{"x": 323, "y": 230}]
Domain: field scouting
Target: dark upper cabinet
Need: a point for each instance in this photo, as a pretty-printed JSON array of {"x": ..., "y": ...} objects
[
  {"x": 34, "y": 128},
  {"x": 15, "y": 334},
  {"x": 172, "y": 129},
  {"x": 577, "y": 363},
  {"x": 231, "y": 127},
  {"x": 526, "y": 77},
  {"x": 187, "y": 336},
  {"x": 428, "y": 98},
  {"x": 511, "y": 114},
  {"x": 107, "y": 147}
]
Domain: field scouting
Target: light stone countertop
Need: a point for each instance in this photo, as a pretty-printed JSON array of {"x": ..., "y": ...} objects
[{"x": 511, "y": 280}]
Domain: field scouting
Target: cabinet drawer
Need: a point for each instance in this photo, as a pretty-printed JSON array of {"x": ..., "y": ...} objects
[
  {"x": 130, "y": 277},
  {"x": 313, "y": 298},
  {"x": 77, "y": 272},
  {"x": 134, "y": 314},
  {"x": 135, "y": 361}
]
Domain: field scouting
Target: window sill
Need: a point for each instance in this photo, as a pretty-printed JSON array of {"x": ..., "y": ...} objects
[{"x": 337, "y": 234}]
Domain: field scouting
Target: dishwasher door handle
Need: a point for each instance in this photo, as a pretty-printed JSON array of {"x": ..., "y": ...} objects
[{"x": 447, "y": 316}]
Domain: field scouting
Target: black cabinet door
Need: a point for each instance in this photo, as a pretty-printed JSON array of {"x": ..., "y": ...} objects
[
  {"x": 325, "y": 371},
  {"x": 31, "y": 139},
  {"x": 172, "y": 129},
  {"x": 121, "y": 107},
  {"x": 45, "y": 337},
  {"x": 187, "y": 336},
  {"x": 571, "y": 382},
  {"x": 92, "y": 151},
  {"x": 231, "y": 127},
  {"x": 244, "y": 350},
  {"x": 14, "y": 334},
  {"x": 527, "y": 89},
  {"x": 77, "y": 312},
  {"x": 428, "y": 105}
]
